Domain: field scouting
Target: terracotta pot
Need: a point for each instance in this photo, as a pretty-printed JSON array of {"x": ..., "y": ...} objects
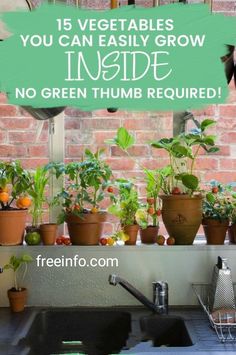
[
  {"x": 215, "y": 230},
  {"x": 48, "y": 233},
  {"x": 87, "y": 228},
  {"x": 232, "y": 233},
  {"x": 132, "y": 232},
  {"x": 17, "y": 299},
  {"x": 182, "y": 216},
  {"x": 149, "y": 235},
  {"x": 12, "y": 226}
]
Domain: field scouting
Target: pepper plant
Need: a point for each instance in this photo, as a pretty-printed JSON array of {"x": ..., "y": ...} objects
[{"x": 14, "y": 183}]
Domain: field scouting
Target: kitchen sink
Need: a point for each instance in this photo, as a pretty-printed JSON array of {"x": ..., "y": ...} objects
[
  {"x": 169, "y": 331},
  {"x": 78, "y": 332},
  {"x": 100, "y": 332}
]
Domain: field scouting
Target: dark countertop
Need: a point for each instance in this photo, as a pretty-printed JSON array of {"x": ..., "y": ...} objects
[{"x": 204, "y": 338}]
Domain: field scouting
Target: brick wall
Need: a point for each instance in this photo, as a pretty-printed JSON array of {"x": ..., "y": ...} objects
[{"x": 18, "y": 131}]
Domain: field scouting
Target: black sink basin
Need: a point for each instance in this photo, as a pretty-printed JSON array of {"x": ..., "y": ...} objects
[
  {"x": 78, "y": 331},
  {"x": 169, "y": 331}
]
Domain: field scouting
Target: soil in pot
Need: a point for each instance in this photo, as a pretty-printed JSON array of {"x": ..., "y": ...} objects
[
  {"x": 182, "y": 216},
  {"x": 132, "y": 232},
  {"x": 32, "y": 229},
  {"x": 232, "y": 233},
  {"x": 215, "y": 230},
  {"x": 87, "y": 228},
  {"x": 149, "y": 234},
  {"x": 48, "y": 232},
  {"x": 17, "y": 299},
  {"x": 12, "y": 226}
]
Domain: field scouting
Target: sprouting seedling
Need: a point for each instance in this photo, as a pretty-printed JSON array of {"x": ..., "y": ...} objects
[{"x": 16, "y": 264}]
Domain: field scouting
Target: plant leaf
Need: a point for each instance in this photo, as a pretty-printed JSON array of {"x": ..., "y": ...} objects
[
  {"x": 207, "y": 123},
  {"x": 190, "y": 181}
]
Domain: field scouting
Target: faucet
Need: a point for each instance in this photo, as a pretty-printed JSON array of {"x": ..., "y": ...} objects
[{"x": 160, "y": 294}]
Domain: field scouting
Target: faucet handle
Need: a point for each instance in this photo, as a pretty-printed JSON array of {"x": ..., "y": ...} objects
[{"x": 160, "y": 296}]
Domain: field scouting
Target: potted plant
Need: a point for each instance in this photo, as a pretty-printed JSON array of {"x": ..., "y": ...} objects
[
  {"x": 125, "y": 205},
  {"x": 82, "y": 195},
  {"x": 17, "y": 295},
  {"x": 147, "y": 217},
  {"x": 217, "y": 209},
  {"x": 181, "y": 197},
  {"x": 14, "y": 202},
  {"x": 37, "y": 192}
]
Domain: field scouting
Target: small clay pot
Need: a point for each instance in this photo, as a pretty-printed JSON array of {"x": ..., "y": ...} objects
[
  {"x": 132, "y": 232},
  {"x": 149, "y": 234},
  {"x": 17, "y": 299},
  {"x": 215, "y": 230},
  {"x": 48, "y": 233},
  {"x": 232, "y": 233}
]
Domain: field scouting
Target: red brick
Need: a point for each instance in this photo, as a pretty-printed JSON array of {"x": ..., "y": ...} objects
[
  {"x": 75, "y": 112},
  {"x": 150, "y": 163},
  {"x": 158, "y": 124},
  {"x": 16, "y": 123},
  {"x": 208, "y": 163},
  {"x": 137, "y": 150},
  {"x": 228, "y": 110},
  {"x": 229, "y": 137},
  {"x": 78, "y": 150},
  {"x": 206, "y": 111},
  {"x": 147, "y": 136},
  {"x": 40, "y": 150},
  {"x": 120, "y": 164},
  {"x": 100, "y": 124},
  {"x": 228, "y": 164},
  {"x": 223, "y": 6},
  {"x": 158, "y": 153},
  {"x": 226, "y": 123},
  {"x": 72, "y": 123},
  {"x": 224, "y": 151},
  {"x": 106, "y": 114},
  {"x": 101, "y": 136},
  {"x": 33, "y": 163},
  {"x": 3, "y": 137},
  {"x": 221, "y": 176},
  {"x": 8, "y": 111},
  {"x": 21, "y": 137},
  {"x": 12, "y": 151}
]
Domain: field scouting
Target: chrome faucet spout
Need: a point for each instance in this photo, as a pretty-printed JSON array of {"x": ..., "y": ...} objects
[{"x": 153, "y": 306}]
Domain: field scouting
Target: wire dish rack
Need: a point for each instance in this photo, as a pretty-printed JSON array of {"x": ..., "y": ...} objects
[{"x": 222, "y": 321}]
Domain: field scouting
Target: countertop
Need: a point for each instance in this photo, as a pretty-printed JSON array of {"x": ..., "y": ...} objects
[{"x": 204, "y": 338}]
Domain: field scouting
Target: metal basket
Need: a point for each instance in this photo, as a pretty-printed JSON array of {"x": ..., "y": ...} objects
[{"x": 224, "y": 328}]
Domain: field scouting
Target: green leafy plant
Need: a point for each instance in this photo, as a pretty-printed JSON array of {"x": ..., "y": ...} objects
[
  {"x": 16, "y": 263},
  {"x": 37, "y": 189},
  {"x": 182, "y": 150},
  {"x": 125, "y": 203},
  {"x": 219, "y": 203},
  {"x": 14, "y": 182},
  {"x": 85, "y": 184}
]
